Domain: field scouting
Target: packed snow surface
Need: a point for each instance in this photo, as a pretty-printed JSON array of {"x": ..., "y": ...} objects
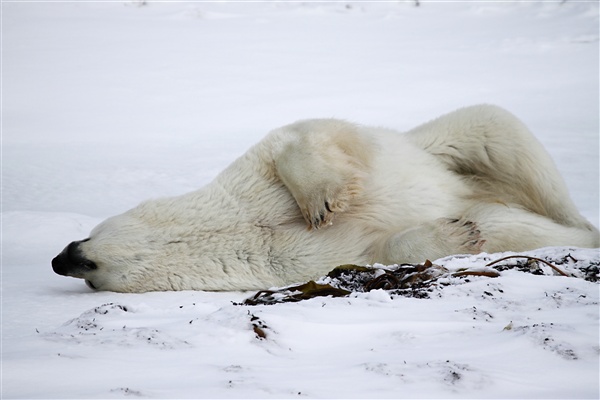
[{"x": 105, "y": 104}]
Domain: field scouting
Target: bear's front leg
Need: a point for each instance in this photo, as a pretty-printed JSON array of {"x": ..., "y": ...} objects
[
  {"x": 323, "y": 164},
  {"x": 321, "y": 188}
]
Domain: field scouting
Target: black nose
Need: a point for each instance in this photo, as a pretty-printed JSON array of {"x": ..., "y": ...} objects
[{"x": 71, "y": 262}]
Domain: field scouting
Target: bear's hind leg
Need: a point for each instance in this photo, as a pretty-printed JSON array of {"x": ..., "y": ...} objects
[
  {"x": 323, "y": 163},
  {"x": 495, "y": 228},
  {"x": 501, "y": 158},
  {"x": 513, "y": 228}
]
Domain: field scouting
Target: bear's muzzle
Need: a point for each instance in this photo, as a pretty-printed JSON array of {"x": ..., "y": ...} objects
[{"x": 71, "y": 262}]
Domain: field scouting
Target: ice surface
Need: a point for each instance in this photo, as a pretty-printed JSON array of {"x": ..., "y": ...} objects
[{"x": 105, "y": 104}]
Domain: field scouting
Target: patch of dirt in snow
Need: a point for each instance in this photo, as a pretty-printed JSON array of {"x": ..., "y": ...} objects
[
  {"x": 171, "y": 328},
  {"x": 543, "y": 334},
  {"x": 429, "y": 279},
  {"x": 448, "y": 374},
  {"x": 97, "y": 327},
  {"x": 125, "y": 391}
]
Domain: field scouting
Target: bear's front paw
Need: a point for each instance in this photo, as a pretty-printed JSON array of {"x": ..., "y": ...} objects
[
  {"x": 321, "y": 208},
  {"x": 320, "y": 212}
]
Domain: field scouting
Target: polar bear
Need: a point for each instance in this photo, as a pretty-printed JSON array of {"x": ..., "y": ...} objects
[{"x": 319, "y": 193}]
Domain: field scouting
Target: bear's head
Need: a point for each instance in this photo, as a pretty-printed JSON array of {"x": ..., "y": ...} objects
[
  {"x": 171, "y": 244},
  {"x": 120, "y": 255}
]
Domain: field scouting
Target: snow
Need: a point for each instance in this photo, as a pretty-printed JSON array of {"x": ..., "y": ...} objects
[{"x": 105, "y": 104}]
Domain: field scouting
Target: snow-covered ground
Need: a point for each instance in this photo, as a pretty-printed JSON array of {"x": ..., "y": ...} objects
[{"x": 105, "y": 104}]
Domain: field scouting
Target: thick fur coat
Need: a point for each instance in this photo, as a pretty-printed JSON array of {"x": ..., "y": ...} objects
[{"x": 319, "y": 193}]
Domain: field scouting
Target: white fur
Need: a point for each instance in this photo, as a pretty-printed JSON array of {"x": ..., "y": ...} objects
[{"x": 473, "y": 180}]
